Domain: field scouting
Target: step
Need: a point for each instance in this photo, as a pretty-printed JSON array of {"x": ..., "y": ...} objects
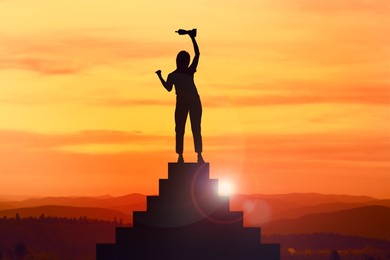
[
  {"x": 176, "y": 187},
  {"x": 177, "y": 170}
]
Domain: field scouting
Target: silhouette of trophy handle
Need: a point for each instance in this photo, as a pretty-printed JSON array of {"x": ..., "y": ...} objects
[{"x": 191, "y": 33}]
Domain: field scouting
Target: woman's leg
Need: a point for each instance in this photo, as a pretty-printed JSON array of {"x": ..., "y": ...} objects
[
  {"x": 180, "y": 123},
  {"x": 196, "y": 118}
]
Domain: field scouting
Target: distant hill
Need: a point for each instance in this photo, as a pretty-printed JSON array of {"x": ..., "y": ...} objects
[
  {"x": 125, "y": 204},
  {"x": 259, "y": 209},
  {"x": 68, "y": 212},
  {"x": 368, "y": 221},
  {"x": 299, "y": 221},
  {"x": 4, "y": 205},
  {"x": 317, "y": 198},
  {"x": 327, "y": 207}
]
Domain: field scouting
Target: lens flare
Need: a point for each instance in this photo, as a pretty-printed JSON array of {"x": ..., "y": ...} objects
[{"x": 225, "y": 188}]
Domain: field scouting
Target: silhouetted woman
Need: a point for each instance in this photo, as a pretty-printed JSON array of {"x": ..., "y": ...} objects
[{"x": 187, "y": 97}]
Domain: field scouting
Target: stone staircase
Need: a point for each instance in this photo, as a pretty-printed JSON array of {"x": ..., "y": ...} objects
[{"x": 188, "y": 220}]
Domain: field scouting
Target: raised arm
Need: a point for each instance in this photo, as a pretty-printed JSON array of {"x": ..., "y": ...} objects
[
  {"x": 167, "y": 84},
  {"x": 195, "y": 61}
]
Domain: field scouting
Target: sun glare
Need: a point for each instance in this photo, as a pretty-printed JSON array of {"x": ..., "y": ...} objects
[{"x": 225, "y": 188}]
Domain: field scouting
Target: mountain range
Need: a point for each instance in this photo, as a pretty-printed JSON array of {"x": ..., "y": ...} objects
[{"x": 296, "y": 213}]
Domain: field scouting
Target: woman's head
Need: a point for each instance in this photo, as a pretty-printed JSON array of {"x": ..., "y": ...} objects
[{"x": 182, "y": 60}]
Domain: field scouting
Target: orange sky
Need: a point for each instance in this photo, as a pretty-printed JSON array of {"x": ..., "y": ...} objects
[{"x": 295, "y": 95}]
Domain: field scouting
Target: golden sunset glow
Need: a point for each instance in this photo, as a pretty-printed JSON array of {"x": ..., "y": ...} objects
[
  {"x": 225, "y": 188},
  {"x": 295, "y": 95}
]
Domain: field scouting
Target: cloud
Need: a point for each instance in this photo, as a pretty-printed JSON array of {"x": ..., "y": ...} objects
[
  {"x": 69, "y": 53},
  {"x": 131, "y": 102},
  {"x": 41, "y": 65},
  {"x": 349, "y": 162},
  {"x": 255, "y": 95},
  {"x": 13, "y": 139},
  {"x": 347, "y": 147},
  {"x": 331, "y": 146},
  {"x": 379, "y": 6},
  {"x": 296, "y": 93},
  {"x": 281, "y": 163}
]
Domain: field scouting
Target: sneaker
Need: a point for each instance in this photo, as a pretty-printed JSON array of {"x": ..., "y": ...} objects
[
  {"x": 180, "y": 159},
  {"x": 200, "y": 158}
]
